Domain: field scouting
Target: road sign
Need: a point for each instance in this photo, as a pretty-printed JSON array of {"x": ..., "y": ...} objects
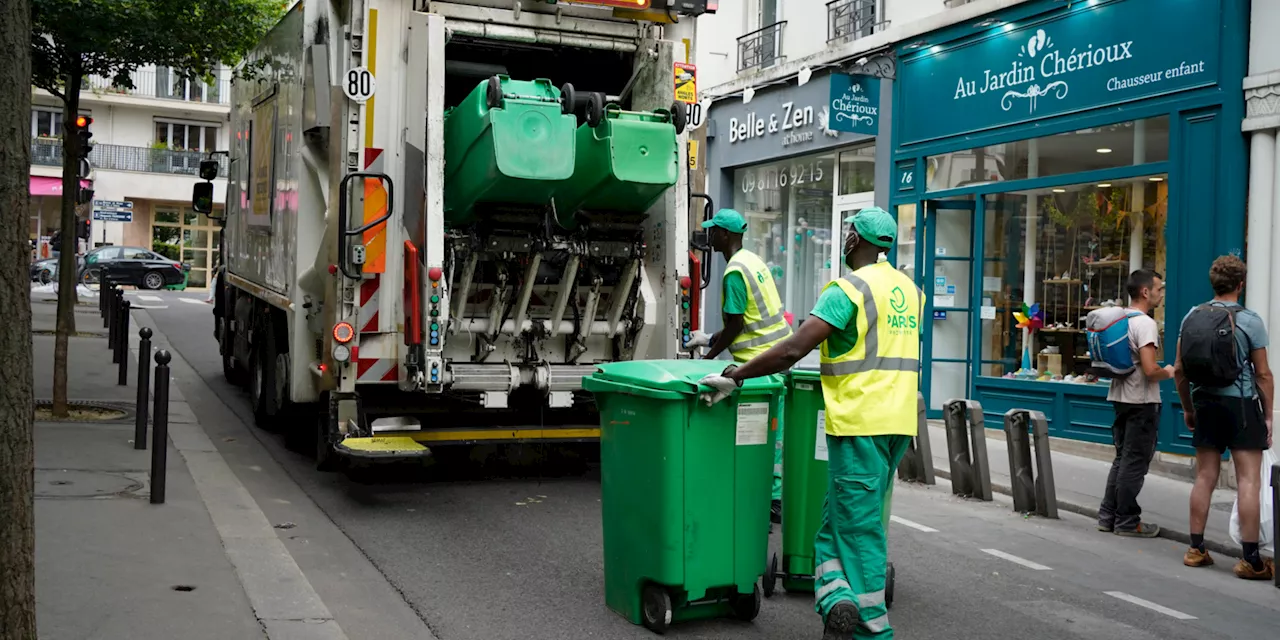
[
  {"x": 686, "y": 79},
  {"x": 113, "y": 210},
  {"x": 359, "y": 84}
]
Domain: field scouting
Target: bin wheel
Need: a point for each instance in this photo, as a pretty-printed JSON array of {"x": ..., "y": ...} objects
[
  {"x": 746, "y": 607},
  {"x": 679, "y": 116},
  {"x": 656, "y": 605},
  {"x": 568, "y": 99},
  {"x": 493, "y": 93},
  {"x": 771, "y": 577},
  {"x": 595, "y": 109},
  {"x": 888, "y": 586}
]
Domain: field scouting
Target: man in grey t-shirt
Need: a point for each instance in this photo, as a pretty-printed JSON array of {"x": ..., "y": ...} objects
[{"x": 1136, "y": 399}]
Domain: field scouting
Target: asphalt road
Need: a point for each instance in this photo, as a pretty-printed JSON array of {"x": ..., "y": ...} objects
[{"x": 476, "y": 559}]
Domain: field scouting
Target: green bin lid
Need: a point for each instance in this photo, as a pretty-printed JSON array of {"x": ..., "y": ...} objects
[
  {"x": 807, "y": 375},
  {"x": 674, "y": 375}
]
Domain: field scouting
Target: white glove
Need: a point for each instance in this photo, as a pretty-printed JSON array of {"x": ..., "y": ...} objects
[
  {"x": 698, "y": 339},
  {"x": 722, "y": 387}
]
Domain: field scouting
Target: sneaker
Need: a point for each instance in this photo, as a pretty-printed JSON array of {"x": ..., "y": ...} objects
[
  {"x": 1106, "y": 527},
  {"x": 1197, "y": 558},
  {"x": 775, "y": 512},
  {"x": 841, "y": 621},
  {"x": 1245, "y": 571},
  {"x": 1143, "y": 530}
]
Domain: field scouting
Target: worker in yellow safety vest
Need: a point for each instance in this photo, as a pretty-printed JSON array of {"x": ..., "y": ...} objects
[
  {"x": 752, "y": 314},
  {"x": 868, "y": 324}
]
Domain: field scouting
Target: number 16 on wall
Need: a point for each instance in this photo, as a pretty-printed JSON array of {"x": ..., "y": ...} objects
[{"x": 359, "y": 84}]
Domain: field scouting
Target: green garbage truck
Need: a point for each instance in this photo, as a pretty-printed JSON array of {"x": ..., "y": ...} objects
[{"x": 440, "y": 216}]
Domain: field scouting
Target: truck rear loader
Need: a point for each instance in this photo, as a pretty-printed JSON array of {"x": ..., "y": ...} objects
[{"x": 440, "y": 216}]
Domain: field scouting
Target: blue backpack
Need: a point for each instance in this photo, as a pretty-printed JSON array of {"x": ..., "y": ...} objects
[{"x": 1108, "y": 333}]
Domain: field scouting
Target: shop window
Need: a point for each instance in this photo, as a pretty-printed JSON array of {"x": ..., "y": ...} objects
[
  {"x": 1070, "y": 249},
  {"x": 858, "y": 170},
  {"x": 1107, "y": 147},
  {"x": 906, "y": 261},
  {"x": 790, "y": 223}
]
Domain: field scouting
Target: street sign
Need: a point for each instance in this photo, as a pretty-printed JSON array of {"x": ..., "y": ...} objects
[
  {"x": 113, "y": 210},
  {"x": 686, "y": 83}
]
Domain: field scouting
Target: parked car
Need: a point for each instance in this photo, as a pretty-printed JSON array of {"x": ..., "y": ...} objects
[
  {"x": 136, "y": 266},
  {"x": 44, "y": 271}
]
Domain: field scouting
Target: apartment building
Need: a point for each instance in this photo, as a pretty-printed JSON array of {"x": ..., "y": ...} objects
[{"x": 148, "y": 141}]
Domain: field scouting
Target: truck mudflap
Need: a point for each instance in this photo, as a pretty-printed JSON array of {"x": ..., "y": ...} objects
[{"x": 382, "y": 448}]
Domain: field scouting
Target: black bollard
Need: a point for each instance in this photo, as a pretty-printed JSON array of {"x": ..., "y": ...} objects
[
  {"x": 110, "y": 321},
  {"x": 144, "y": 390},
  {"x": 122, "y": 330},
  {"x": 123, "y": 345},
  {"x": 160, "y": 428},
  {"x": 1021, "y": 478},
  {"x": 1275, "y": 516}
]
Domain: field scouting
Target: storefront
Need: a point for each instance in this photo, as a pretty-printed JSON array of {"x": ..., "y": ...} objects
[
  {"x": 789, "y": 163},
  {"x": 1045, "y": 152}
]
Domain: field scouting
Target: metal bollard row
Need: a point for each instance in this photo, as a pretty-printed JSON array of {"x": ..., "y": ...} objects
[
  {"x": 160, "y": 428},
  {"x": 1031, "y": 478},
  {"x": 917, "y": 463},
  {"x": 967, "y": 449}
]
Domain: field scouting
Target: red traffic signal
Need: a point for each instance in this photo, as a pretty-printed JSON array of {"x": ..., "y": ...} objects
[{"x": 83, "y": 122}]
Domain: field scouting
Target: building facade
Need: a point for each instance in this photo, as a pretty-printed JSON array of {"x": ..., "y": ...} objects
[{"x": 147, "y": 145}]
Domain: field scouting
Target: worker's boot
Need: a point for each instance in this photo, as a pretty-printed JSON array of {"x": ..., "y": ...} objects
[{"x": 841, "y": 621}]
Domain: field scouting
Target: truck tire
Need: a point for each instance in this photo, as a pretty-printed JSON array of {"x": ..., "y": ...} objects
[
  {"x": 226, "y": 347},
  {"x": 326, "y": 424},
  {"x": 264, "y": 380}
]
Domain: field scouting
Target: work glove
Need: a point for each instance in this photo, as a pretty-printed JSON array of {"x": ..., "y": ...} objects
[
  {"x": 721, "y": 385},
  {"x": 698, "y": 339}
]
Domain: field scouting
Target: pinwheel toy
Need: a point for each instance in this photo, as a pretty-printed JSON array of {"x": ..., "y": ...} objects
[{"x": 1030, "y": 317}]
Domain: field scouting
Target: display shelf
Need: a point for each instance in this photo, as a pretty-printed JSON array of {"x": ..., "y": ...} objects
[
  {"x": 1061, "y": 281},
  {"x": 1061, "y": 330},
  {"x": 1108, "y": 263}
]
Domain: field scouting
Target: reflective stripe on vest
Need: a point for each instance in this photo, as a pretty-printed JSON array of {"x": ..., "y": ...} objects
[
  {"x": 872, "y": 389},
  {"x": 763, "y": 326}
]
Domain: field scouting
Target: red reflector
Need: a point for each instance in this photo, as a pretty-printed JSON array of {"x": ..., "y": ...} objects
[
  {"x": 333, "y": 268},
  {"x": 323, "y": 367},
  {"x": 435, "y": 273},
  {"x": 685, "y": 282}
]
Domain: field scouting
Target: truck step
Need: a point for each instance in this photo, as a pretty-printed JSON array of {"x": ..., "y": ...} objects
[{"x": 382, "y": 447}]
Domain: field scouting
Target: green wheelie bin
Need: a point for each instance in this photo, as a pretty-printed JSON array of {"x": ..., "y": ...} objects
[
  {"x": 804, "y": 487},
  {"x": 624, "y": 164},
  {"x": 508, "y": 142},
  {"x": 684, "y": 490}
]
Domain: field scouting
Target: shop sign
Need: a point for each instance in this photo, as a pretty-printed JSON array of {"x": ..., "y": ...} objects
[
  {"x": 1088, "y": 55},
  {"x": 855, "y": 103}
]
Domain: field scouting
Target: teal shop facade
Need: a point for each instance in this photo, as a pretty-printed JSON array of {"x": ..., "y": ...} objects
[{"x": 1042, "y": 153}]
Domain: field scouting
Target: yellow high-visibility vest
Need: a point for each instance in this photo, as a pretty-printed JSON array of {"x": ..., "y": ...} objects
[
  {"x": 763, "y": 322},
  {"x": 872, "y": 389}
]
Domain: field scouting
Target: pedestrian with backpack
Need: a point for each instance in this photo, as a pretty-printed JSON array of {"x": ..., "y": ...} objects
[
  {"x": 1227, "y": 390},
  {"x": 1135, "y": 394}
]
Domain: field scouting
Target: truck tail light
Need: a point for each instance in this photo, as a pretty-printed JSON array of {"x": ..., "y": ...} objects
[{"x": 343, "y": 332}]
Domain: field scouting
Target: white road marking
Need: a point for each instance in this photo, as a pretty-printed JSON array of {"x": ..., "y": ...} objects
[
  {"x": 148, "y": 306},
  {"x": 914, "y": 525},
  {"x": 149, "y": 298},
  {"x": 1016, "y": 560},
  {"x": 1172, "y": 613},
  {"x": 191, "y": 301}
]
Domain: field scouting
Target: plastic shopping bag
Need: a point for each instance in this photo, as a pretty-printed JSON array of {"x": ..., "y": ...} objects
[{"x": 1267, "y": 512}]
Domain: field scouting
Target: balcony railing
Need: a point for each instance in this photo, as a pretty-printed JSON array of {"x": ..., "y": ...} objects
[
  {"x": 163, "y": 84},
  {"x": 113, "y": 157},
  {"x": 761, "y": 48},
  {"x": 852, "y": 19}
]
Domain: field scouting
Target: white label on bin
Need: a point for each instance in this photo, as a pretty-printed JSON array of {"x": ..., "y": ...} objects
[
  {"x": 820, "y": 439},
  {"x": 753, "y": 423},
  {"x": 804, "y": 386}
]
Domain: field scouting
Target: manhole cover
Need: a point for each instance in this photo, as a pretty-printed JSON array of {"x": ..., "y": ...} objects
[
  {"x": 71, "y": 483},
  {"x": 84, "y": 412}
]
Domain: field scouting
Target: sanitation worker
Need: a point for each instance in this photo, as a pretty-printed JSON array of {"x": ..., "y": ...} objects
[
  {"x": 868, "y": 324},
  {"x": 752, "y": 323}
]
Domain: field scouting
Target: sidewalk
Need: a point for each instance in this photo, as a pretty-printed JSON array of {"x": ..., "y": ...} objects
[
  {"x": 204, "y": 565},
  {"x": 108, "y": 563},
  {"x": 1081, "y": 481}
]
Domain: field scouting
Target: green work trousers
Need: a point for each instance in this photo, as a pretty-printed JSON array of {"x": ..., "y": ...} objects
[{"x": 851, "y": 548}]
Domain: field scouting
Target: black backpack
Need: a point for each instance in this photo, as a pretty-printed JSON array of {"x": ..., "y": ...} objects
[{"x": 1208, "y": 351}]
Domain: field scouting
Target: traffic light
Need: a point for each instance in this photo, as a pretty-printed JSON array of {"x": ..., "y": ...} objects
[
  {"x": 85, "y": 135},
  {"x": 82, "y": 229},
  {"x": 84, "y": 195}
]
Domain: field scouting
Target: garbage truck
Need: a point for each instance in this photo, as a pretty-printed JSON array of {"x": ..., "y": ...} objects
[{"x": 440, "y": 216}]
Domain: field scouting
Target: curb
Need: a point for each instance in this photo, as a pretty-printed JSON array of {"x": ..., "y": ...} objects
[{"x": 1184, "y": 537}]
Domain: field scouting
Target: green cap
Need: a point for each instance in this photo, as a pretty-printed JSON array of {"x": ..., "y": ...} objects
[
  {"x": 875, "y": 225},
  {"x": 729, "y": 220}
]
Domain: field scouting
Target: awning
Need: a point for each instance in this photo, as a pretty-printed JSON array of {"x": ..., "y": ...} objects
[{"x": 46, "y": 186}]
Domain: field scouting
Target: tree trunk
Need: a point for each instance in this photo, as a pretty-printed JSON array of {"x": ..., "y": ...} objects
[
  {"x": 17, "y": 524},
  {"x": 67, "y": 272}
]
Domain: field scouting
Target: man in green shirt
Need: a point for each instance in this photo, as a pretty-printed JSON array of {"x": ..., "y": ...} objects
[{"x": 751, "y": 311}]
